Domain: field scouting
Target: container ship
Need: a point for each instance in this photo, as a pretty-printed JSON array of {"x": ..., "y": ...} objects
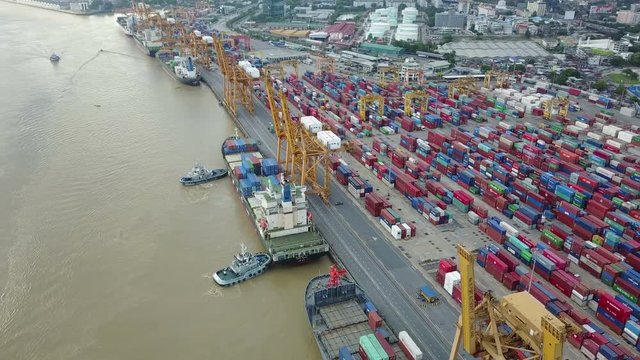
[
  {"x": 149, "y": 41},
  {"x": 181, "y": 68},
  {"x": 277, "y": 208},
  {"x": 346, "y": 325},
  {"x": 127, "y": 24}
]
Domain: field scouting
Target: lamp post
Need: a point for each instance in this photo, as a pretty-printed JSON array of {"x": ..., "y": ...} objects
[{"x": 533, "y": 269}]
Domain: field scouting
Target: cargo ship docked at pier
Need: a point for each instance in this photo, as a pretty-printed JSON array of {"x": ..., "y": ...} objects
[
  {"x": 346, "y": 325},
  {"x": 181, "y": 68},
  {"x": 277, "y": 208},
  {"x": 148, "y": 40}
]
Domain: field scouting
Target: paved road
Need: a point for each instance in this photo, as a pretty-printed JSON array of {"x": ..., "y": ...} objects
[{"x": 377, "y": 266}]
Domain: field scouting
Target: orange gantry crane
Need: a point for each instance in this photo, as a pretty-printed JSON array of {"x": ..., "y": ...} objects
[
  {"x": 534, "y": 329},
  {"x": 238, "y": 85},
  {"x": 299, "y": 150}
]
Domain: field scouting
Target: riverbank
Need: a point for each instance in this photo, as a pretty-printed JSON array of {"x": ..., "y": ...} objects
[{"x": 53, "y": 7}]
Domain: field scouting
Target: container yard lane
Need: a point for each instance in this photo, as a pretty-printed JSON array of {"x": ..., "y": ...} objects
[{"x": 386, "y": 275}]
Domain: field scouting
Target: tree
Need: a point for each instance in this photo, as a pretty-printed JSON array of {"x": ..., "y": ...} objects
[
  {"x": 534, "y": 14},
  {"x": 402, "y": 7},
  {"x": 531, "y": 61},
  {"x": 621, "y": 90},
  {"x": 600, "y": 85},
  {"x": 634, "y": 59},
  {"x": 484, "y": 68},
  {"x": 446, "y": 38},
  {"x": 616, "y": 61},
  {"x": 631, "y": 74},
  {"x": 527, "y": 34},
  {"x": 451, "y": 58}
]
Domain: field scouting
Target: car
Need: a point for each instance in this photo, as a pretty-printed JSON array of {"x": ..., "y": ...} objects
[{"x": 338, "y": 203}]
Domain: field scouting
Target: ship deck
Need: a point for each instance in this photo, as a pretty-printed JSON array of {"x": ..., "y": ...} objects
[
  {"x": 342, "y": 314},
  {"x": 344, "y": 324}
]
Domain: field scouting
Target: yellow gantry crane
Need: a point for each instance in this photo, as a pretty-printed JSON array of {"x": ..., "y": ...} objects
[
  {"x": 419, "y": 95},
  {"x": 535, "y": 330},
  {"x": 299, "y": 150},
  {"x": 293, "y": 64},
  {"x": 561, "y": 104},
  {"x": 368, "y": 99},
  {"x": 383, "y": 71},
  {"x": 501, "y": 78},
  {"x": 326, "y": 64},
  {"x": 279, "y": 128},
  {"x": 465, "y": 85},
  {"x": 238, "y": 85}
]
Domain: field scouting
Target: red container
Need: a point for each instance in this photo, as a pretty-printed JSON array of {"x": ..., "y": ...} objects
[
  {"x": 609, "y": 324},
  {"x": 614, "y": 307},
  {"x": 607, "y": 255},
  {"x": 375, "y": 321},
  {"x": 561, "y": 283},
  {"x": 590, "y": 346},
  {"x": 496, "y": 267},
  {"x": 362, "y": 353},
  {"x": 385, "y": 345},
  {"x": 560, "y": 261},
  {"x": 578, "y": 317},
  {"x": 448, "y": 265}
]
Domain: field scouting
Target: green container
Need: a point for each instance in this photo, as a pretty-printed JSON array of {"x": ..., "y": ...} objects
[
  {"x": 557, "y": 127},
  {"x": 625, "y": 293},
  {"x": 394, "y": 213},
  {"x": 474, "y": 190},
  {"x": 496, "y": 187},
  {"x": 376, "y": 345},
  {"x": 369, "y": 348},
  {"x": 554, "y": 167},
  {"x": 526, "y": 255},
  {"x": 553, "y": 238},
  {"x": 513, "y": 207},
  {"x": 614, "y": 224},
  {"x": 617, "y": 201},
  {"x": 460, "y": 206}
]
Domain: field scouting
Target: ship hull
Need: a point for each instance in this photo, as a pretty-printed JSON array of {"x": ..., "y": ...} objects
[
  {"x": 214, "y": 175},
  {"x": 222, "y": 279},
  {"x": 277, "y": 257},
  {"x": 187, "y": 81},
  {"x": 145, "y": 49}
]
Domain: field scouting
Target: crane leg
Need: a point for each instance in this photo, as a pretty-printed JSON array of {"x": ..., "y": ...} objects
[{"x": 456, "y": 340}]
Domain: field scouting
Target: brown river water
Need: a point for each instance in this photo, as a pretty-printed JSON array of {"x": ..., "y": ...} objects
[{"x": 103, "y": 254}]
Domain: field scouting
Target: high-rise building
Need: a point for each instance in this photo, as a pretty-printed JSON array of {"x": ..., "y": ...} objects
[
  {"x": 450, "y": 20},
  {"x": 273, "y": 8},
  {"x": 628, "y": 17},
  {"x": 539, "y": 7}
]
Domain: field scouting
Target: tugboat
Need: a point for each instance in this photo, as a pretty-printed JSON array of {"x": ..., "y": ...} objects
[
  {"x": 54, "y": 57},
  {"x": 244, "y": 266},
  {"x": 199, "y": 174}
]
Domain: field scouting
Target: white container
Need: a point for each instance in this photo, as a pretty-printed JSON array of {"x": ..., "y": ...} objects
[
  {"x": 627, "y": 111},
  {"x": 451, "y": 279},
  {"x": 329, "y": 139},
  {"x": 208, "y": 39},
  {"x": 396, "y": 232},
  {"x": 244, "y": 64},
  {"x": 611, "y": 130},
  {"x": 594, "y": 136},
  {"x": 510, "y": 229},
  {"x": 582, "y": 125},
  {"x": 411, "y": 346},
  {"x": 253, "y": 72},
  {"x": 197, "y": 33},
  {"x": 311, "y": 124},
  {"x": 616, "y": 144},
  {"x": 626, "y": 136}
]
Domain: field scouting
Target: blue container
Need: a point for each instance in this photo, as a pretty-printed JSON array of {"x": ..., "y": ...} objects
[
  {"x": 369, "y": 307},
  {"x": 385, "y": 334},
  {"x": 344, "y": 354},
  {"x": 546, "y": 291},
  {"x": 610, "y": 317},
  {"x": 596, "y": 328},
  {"x": 553, "y": 308},
  {"x": 606, "y": 352},
  {"x": 633, "y": 327}
]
